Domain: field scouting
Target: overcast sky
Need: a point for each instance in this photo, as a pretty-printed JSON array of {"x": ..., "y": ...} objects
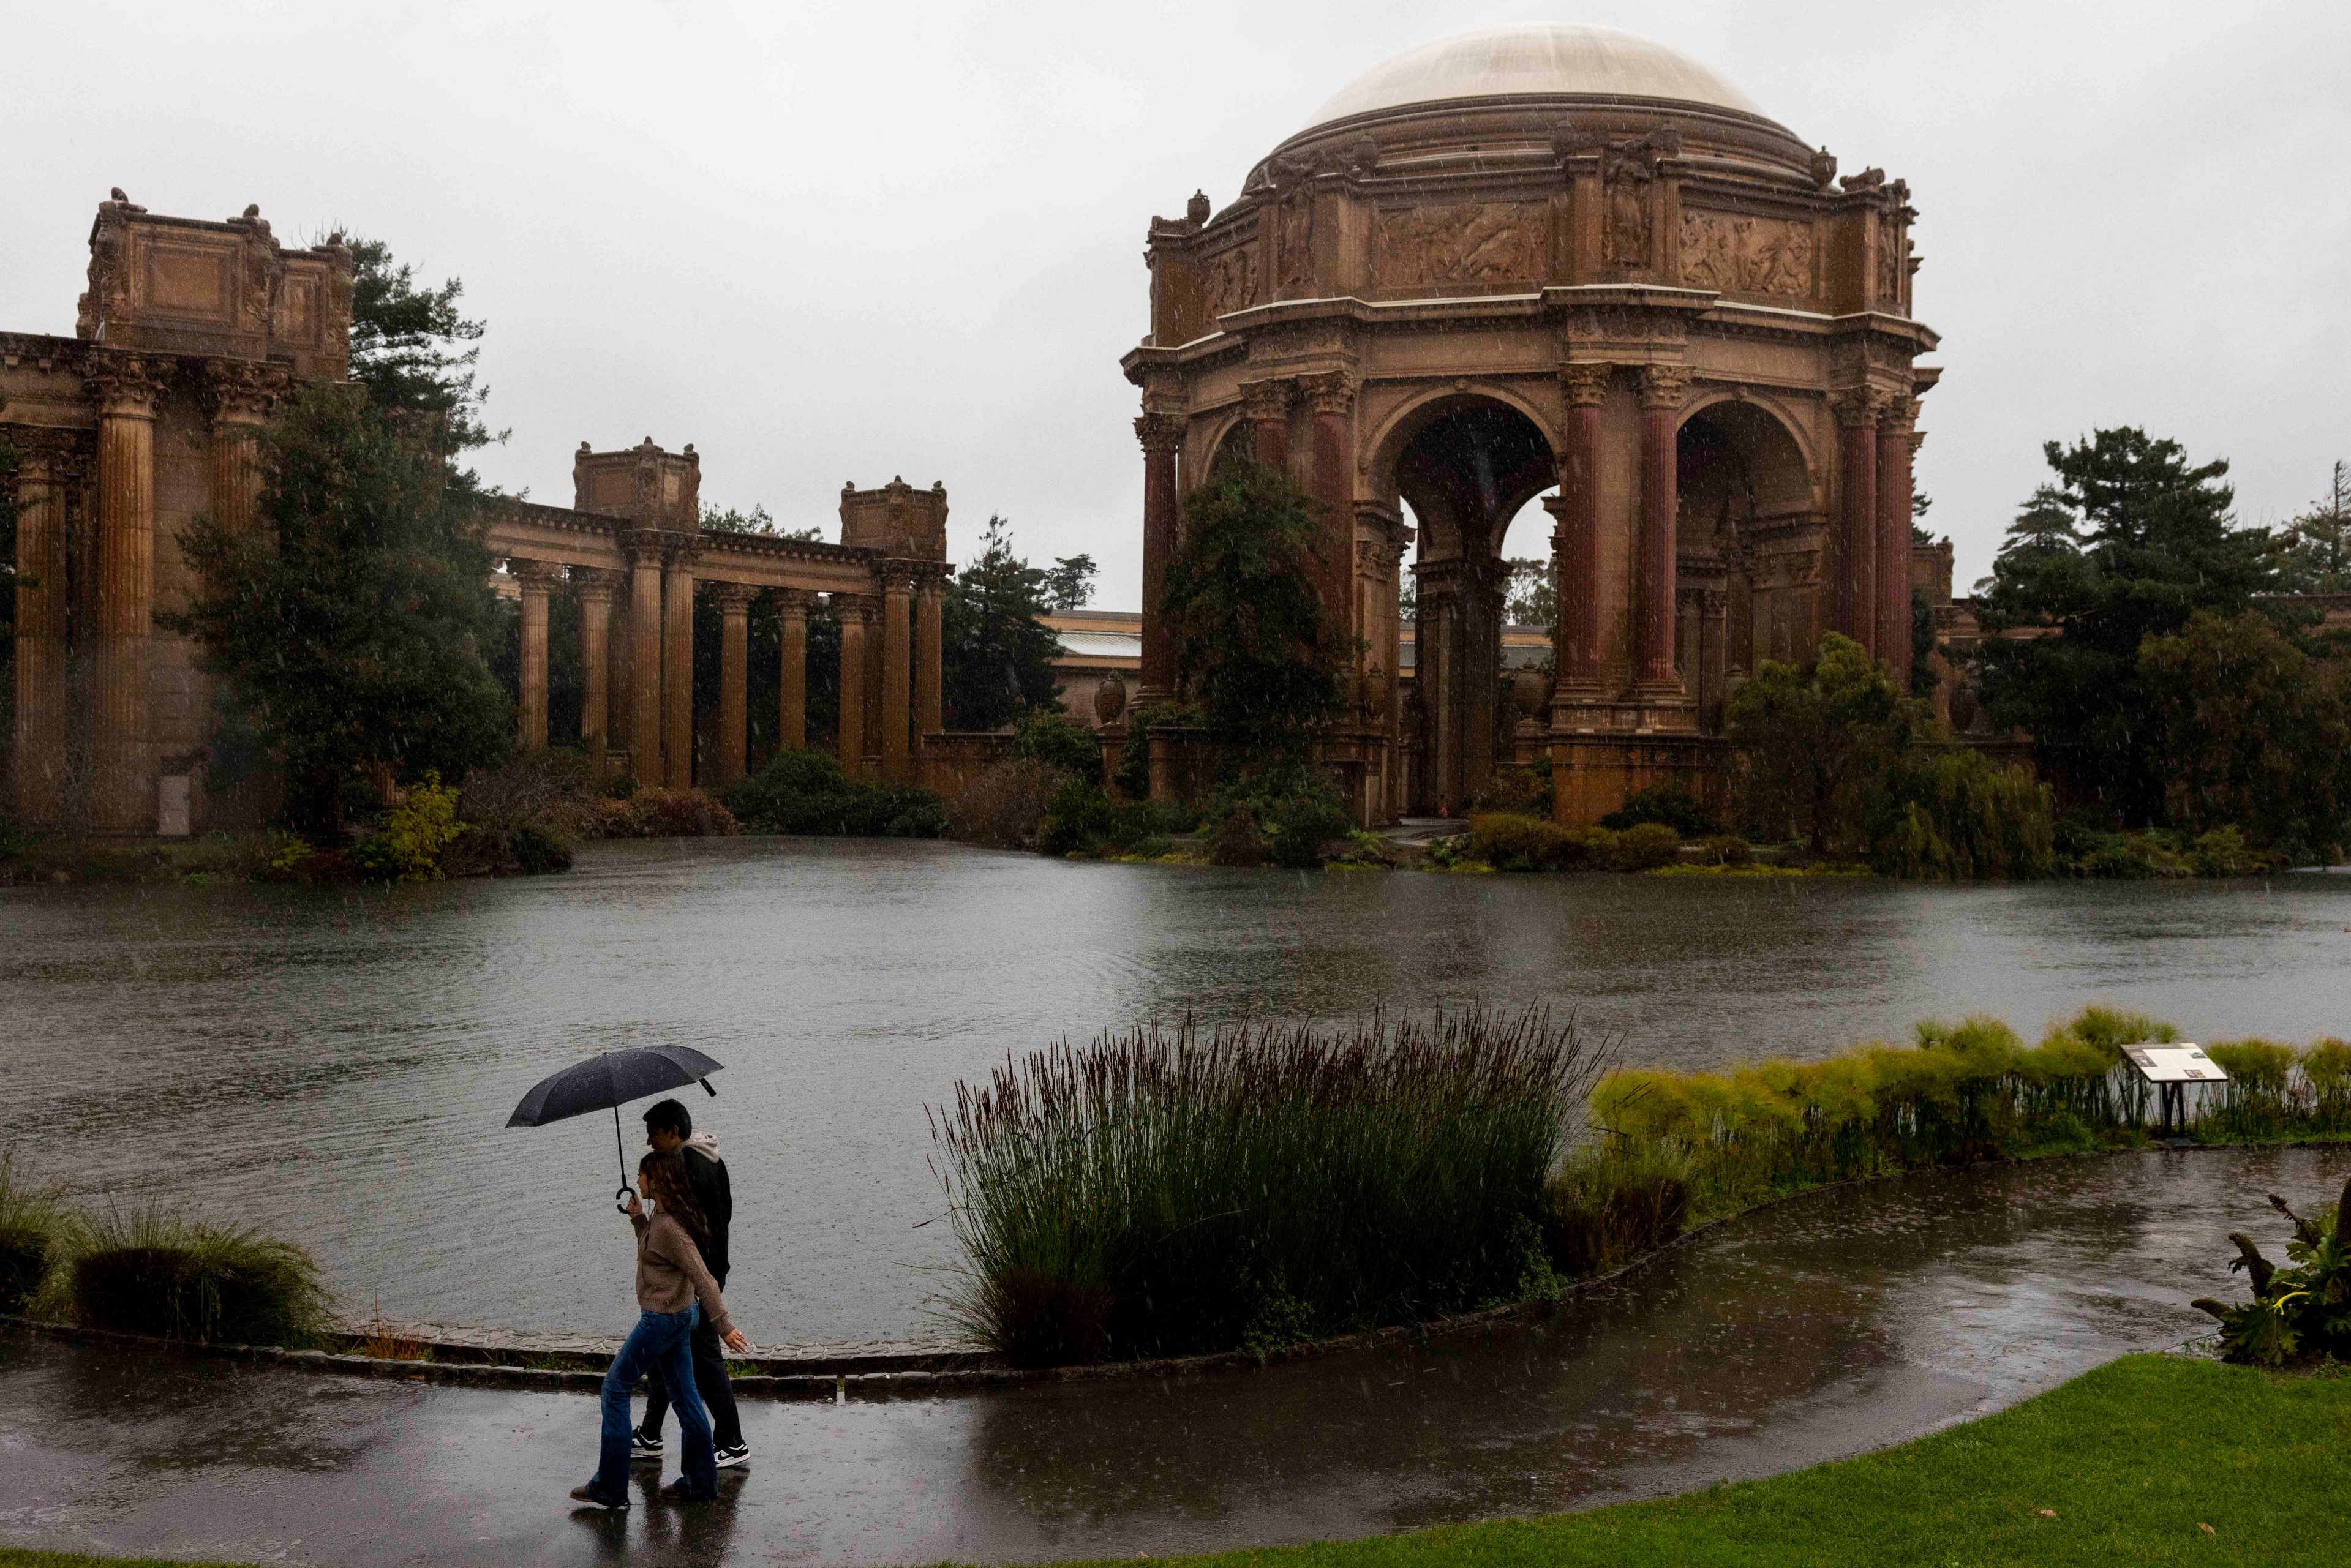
[{"x": 833, "y": 242}]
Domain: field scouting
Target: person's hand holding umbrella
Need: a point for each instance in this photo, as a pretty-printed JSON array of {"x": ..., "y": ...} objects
[{"x": 608, "y": 1082}]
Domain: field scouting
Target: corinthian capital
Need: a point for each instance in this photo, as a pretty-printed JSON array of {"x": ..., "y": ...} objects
[
  {"x": 1265, "y": 401},
  {"x": 1858, "y": 406},
  {"x": 1159, "y": 432},
  {"x": 241, "y": 392},
  {"x": 1664, "y": 386},
  {"x": 591, "y": 586},
  {"x": 1586, "y": 382},
  {"x": 1333, "y": 391},
  {"x": 126, "y": 385},
  {"x": 536, "y": 578},
  {"x": 733, "y": 598}
]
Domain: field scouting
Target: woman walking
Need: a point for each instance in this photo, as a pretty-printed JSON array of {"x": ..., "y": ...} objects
[{"x": 672, "y": 1288}]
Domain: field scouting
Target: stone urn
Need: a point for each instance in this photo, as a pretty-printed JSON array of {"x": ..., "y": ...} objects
[
  {"x": 1109, "y": 700},
  {"x": 1530, "y": 692},
  {"x": 1375, "y": 693}
]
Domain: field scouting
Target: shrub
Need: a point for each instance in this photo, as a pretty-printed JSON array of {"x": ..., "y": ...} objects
[
  {"x": 1727, "y": 849},
  {"x": 1956, "y": 815},
  {"x": 2298, "y": 1313},
  {"x": 36, "y": 1231},
  {"x": 409, "y": 846},
  {"x": 1509, "y": 841},
  {"x": 805, "y": 791},
  {"x": 1668, "y": 803},
  {"x": 1003, "y": 804},
  {"x": 1646, "y": 847},
  {"x": 156, "y": 1272},
  {"x": 2326, "y": 1066},
  {"x": 619, "y": 787},
  {"x": 2224, "y": 853},
  {"x": 1262, "y": 1184},
  {"x": 2260, "y": 1097},
  {"x": 1081, "y": 820},
  {"x": 1234, "y": 839},
  {"x": 1059, "y": 741},
  {"x": 538, "y": 849}
]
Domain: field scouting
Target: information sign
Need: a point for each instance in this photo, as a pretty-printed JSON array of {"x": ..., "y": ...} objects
[{"x": 2181, "y": 1063}]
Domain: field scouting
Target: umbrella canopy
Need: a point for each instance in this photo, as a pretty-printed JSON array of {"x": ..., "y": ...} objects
[
  {"x": 611, "y": 1080},
  {"x": 608, "y": 1082}
]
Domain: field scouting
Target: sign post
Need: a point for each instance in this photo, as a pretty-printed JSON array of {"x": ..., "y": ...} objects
[{"x": 2171, "y": 1068}]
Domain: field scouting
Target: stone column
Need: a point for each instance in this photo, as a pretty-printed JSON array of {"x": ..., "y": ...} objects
[
  {"x": 1894, "y": 428},
  {"x": 897, "y": 667},
  {"x": 1435, "y": 639},
  {"x": 594, "y": 591},
  {"x": 1332, "y": 396},
  {"x": 1662, "y": 387},
  {"x": 1162, "y": 435},
  {"x": 644, "y": 547},
  {"x": 930, "y": 651},
  {"x": 1267, "y": 404},
  {"x": 677, "y": 660},
  {"x": 791, "y": 678},
  {"x": 49, "y": 467},
  {"x": 1856, "y": 594},
  {"x": 734, "y": 601},
  {"x": 241, "y": 396},
  {"x": 122, "y": 793},
  {"x": 1575, "y": 540},
  {"x": 856, "y": 612},
  {"x": 537, "y": 580}
]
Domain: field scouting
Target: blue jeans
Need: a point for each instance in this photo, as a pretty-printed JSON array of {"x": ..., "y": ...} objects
[{"x": 662, "y": 1340}]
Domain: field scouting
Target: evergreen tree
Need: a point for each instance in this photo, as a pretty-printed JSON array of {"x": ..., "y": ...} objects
[
  {"x": 2127, "y": 543},
  {"x": 1070, "y": 582},
  {"x": 998, "y": 652},
  {"x": 2314, "y": 553},
  {"x": 1253, "y": 646}
]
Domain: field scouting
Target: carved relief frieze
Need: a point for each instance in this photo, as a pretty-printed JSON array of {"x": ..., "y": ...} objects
[
  {"x": 1228, "y": 280},
  {"x": 1892, "y": 255},
  {"x": 1462, "y": 242},
  {"x": 1739, "y": 254},
  {"x": 1295, "y": 236}
]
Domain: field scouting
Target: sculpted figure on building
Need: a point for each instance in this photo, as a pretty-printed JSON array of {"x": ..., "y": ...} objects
[{"x": 1552, "y": 259}]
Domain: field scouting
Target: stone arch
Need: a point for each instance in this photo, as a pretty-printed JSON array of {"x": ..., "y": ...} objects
[
  {"x": 1749, "y": 503},
  {"x": 1235, "y": 441}
]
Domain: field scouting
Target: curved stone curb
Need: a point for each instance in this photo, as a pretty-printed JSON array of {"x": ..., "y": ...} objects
[{"x": 917, "y": 1376}]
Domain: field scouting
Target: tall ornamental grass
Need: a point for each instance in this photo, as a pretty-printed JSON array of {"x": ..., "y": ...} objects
[
  {"x": 1969, "y": 1091},
  {"x": 155, "y": 1270},
  {"x": 36, "y": 1230},
  {"x": 1170, "y": 1189}
]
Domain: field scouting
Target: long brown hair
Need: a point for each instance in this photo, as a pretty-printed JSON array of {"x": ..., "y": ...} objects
[{"x": 662, "y": 1178}]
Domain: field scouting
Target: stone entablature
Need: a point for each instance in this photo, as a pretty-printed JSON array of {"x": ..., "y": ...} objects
[{"x": 1673, "y": 312}]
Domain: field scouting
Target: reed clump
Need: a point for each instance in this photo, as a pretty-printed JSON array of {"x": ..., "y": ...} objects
[
  {"x": 156, "y": 1270},
  {"x": 36, "y": 1232},
  {"x": 1172, "y": 1189}
]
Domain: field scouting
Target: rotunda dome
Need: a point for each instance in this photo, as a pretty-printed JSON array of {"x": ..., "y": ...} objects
[{"x": 1545, "y": 60}]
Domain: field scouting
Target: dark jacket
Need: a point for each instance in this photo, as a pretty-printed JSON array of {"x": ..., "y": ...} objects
[{"x": 706, "y": 1173}]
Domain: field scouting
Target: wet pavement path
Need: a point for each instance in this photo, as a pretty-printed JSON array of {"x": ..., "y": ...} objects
[{"x": 1837, "y": 1324}]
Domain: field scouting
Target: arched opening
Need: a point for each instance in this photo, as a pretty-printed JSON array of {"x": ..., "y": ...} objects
[
  {"x": 1465, "y": 467},
  {"x": 1744, "y": 536}
]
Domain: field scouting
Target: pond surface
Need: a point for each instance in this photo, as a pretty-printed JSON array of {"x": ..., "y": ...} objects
[{"x": 336, "y": 1067}]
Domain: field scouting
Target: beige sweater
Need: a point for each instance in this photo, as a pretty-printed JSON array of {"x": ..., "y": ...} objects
[{"x": 670, "y": 1273}]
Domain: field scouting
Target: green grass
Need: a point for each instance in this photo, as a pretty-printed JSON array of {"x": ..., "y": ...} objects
[{"x": 2130, "y": 1460}]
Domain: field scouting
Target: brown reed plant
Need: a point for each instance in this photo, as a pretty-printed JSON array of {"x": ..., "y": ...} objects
[{"x": 1174, "y": 1188}]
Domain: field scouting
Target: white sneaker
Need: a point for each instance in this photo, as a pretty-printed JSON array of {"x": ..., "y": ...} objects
[
  {"x": 741, "y": 1454},
  {"x": 641, "y": 1448}
]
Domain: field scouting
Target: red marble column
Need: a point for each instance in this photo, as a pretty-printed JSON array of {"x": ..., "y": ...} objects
[
  {"x": 537, "y": 580},
  {"x": 1575, "y": 540},
  {"x": 677, "y": 659},
  {"x": 1662, "y": 387},
  {"x": 1332, "y": 397},
  {"x": 1162, "y": 435},
  {"x": 734, "y": 601},
  {"x": 1893, "y": 430},
  {"x": 1856, "y": 598},
  {"x": 1268, "y": 406},
  {"x": 791, "y": 678}
]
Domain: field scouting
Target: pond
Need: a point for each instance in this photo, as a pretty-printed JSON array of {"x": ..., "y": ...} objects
[{"x": 337, "y": 1066}]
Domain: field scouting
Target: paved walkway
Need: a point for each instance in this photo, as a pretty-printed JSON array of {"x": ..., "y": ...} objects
[{"x": 1822, "y": 1328}]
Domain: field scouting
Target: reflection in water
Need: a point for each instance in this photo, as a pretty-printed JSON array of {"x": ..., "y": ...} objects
[{"x": 338, "y": 1066}]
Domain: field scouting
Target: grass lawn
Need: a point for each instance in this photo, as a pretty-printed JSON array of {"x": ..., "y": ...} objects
[{"x": 2132, "y": 1460}]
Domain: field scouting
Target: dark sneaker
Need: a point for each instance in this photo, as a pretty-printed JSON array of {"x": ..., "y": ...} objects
[
  {"x": 682, "y": 1490},
  {"x": 588, "y": 1494},
  {"x": 741, "y": 1454},
  {"x": 643, "y": 1447}
]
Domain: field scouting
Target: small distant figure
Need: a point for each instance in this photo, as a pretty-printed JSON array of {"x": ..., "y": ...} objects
[
  {"x": 669, "y": 1129},
  {"x": 675, "y": 1294},
  {"x": 1443, "y": 809}
]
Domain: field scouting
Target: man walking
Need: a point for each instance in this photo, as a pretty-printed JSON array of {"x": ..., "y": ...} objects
[{"x": 668, "y": 1126}]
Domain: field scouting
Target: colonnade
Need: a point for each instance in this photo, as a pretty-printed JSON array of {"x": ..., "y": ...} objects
[
  {"x": 637, "y": 687},
  {"x": 1876, "y": 437}
]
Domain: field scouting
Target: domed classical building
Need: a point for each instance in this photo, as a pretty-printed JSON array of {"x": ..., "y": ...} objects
[{"x": 1549, "y": 257}]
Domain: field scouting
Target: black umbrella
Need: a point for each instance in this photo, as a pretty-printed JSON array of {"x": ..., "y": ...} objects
[{"x": 610, "y": 1081}]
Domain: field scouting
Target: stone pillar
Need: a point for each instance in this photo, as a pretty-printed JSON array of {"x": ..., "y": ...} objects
[
  {"x": 1436, "y": 639},
  {"x": 241, "y": 396},
  {"x": 1662, "y": 387},
  {"x": 791, "y": 678},
  {"x": 1267, "y": 404},
  {"x": 537, "y": 580},
  {"x": 644, "y": 696},
  {"x": 594, "y": 591},
  {"x": 677, "y": 660},
  {"x": 1162, "y": 435},
  {"x": 1575, "y": 540},
  {"x": 1332, "y": 396},
  {"x": 1856, "y": 595},
  {"x": 1894, "y": 437},
  {"x": 930, "y": 652},
  {"x": 856, "y": 612},
  {"x": 42, "y": 479},
  {"x": 122, "y": 793},
  {"x": 734, "y": 601},
  {"x": 897, "y": 668}
]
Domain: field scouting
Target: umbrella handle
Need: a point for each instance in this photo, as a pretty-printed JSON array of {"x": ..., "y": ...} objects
[{"x": 621, "y": 1199}]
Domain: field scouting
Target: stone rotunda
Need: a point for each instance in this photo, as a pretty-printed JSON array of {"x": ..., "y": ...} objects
[{"x": 1539, "y": 257}]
